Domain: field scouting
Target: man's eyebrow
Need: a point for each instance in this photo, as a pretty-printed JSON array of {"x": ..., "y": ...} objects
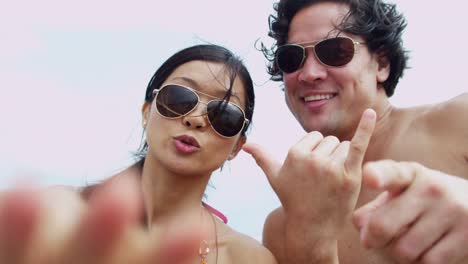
[{"x": 194, "y": 83}]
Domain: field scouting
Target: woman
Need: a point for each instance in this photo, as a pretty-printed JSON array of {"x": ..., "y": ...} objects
[{"x": 197, "y": 108}]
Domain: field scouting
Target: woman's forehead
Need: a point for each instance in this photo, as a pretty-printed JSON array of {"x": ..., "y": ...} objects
[{"x": 208, "y": 77}]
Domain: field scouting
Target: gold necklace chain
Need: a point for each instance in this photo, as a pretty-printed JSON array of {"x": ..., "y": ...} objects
[{"x": 204, "y": 249}]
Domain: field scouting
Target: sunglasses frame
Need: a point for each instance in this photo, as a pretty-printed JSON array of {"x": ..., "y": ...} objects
[
  {"x": 215, "y": 99},
  {"x": 304, "y": 47}
]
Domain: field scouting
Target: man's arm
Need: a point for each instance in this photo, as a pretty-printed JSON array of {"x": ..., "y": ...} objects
[
  {"x": 422, "y": 216},
  {"x": 417, "y": 198},
  {"x": 280, "y": 242}
]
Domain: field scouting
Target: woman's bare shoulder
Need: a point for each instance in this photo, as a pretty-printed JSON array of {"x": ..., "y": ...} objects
[
  {"x": 134, "y": 171},
  {"x": 243, "y": 248}
]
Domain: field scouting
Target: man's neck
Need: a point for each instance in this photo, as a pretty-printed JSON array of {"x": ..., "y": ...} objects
[{"x": 383, "y": 132}]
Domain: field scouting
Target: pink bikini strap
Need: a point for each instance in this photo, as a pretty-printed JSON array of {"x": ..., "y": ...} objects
[{"x": 216, "y": 212}]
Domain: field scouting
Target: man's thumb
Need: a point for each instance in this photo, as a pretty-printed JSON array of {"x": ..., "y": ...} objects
[{"x": 265, "y": 161}]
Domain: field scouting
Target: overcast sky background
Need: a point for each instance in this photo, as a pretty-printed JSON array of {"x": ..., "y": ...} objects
[{"x": 73, "y": 76}]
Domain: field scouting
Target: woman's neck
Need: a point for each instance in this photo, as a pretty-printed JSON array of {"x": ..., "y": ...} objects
[{"x": 170, "y": 197}]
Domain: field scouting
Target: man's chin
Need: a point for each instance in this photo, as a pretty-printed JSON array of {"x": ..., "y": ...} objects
[{"x": 325, "y": 128}]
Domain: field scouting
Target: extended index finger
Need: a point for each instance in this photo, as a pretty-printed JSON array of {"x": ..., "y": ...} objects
[
  {"x": 361, "y": 140},
  {"x": 390, "y": 175}
]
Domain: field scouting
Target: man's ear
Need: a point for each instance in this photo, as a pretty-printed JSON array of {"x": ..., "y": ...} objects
[
  {"x": 237, "y": 147},
  {"x": 145, "y": 114},
  {"x": 383, "y": 70}
]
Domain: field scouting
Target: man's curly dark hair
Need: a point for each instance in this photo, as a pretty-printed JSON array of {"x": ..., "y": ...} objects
[{"x": 379, "y": 23}]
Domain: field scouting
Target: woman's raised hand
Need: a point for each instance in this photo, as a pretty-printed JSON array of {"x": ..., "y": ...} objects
[{"x": 55, "y": 226}]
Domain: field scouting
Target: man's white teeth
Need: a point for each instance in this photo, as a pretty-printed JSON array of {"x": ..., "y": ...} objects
[{"x": 318, "y": 97}]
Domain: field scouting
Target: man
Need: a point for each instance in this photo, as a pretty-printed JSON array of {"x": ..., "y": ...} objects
[{"x": 337, "y": 59}]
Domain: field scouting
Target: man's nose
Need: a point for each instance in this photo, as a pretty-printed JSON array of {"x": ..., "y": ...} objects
[{"x": 312, "y": 69}]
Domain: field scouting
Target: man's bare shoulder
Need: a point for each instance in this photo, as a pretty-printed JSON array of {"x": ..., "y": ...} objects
[
  {"x": 448, "y": 121},
  {"x": 447, "y": 126},
  {"x": 273, "y": 232},
  {"x": 448, "y": 118},
  {"x": 449, "y": 112},
  {"x": 275, "y": 220}
]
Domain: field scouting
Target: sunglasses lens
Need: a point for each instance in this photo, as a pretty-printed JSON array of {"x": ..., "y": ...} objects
[
  {"x": 335, "y": 51},
  {"x": 227, "y": 119},
  {"x": 289, "y": 58},
  {"x": 175, "y": 101}
]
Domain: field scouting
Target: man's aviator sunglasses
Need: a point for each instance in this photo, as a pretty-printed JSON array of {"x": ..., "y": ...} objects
[
  {"x": 332, "y": 52},
  {"x": 174, "y": 101}
]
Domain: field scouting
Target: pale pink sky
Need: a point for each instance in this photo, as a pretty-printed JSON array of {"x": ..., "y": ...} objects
[{"x": 73, "y": 75}]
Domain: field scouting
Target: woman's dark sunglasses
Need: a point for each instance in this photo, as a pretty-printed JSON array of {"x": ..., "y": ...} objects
[
  {"x": 333, "y": 52},
  {"x": 174, "y": 101}
]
